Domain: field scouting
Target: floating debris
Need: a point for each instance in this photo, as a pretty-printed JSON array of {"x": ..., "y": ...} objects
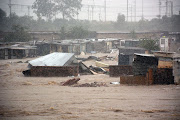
[
  {"x": 95, "y": 84},
  {"x": 70, "y": 82}
]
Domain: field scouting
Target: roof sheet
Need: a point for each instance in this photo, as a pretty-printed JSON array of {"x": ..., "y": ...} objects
[
  {"x": 145, "y": 55},
  {"x": 53, "y": 59}
]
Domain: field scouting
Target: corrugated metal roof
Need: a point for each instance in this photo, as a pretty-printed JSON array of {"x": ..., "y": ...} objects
[
  {"x": 145, "y": 55},
  {"x": 176, "y": 56},
  {"x": 53, "y": 59}
]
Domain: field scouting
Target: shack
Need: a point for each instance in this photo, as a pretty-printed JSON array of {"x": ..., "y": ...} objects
[
  {"x": 143, "y": 67},
  {"x": 126, "y": 54},
  {"x": 56, "y": 64},
  {"x": 142, "y": 63},
  {"x": 16, "y": 52},
  {"x": 165, "y": 59},
  {"x": 43, "y": 48},
  {"x": 98, "y": 46},
  {"x": 68, "y": 46},
  {"x": 146, "y": 71}
]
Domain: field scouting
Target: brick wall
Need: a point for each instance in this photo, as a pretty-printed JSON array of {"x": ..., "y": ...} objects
[
  {"x": 133, "y": 80},
  {"x": 163, "y": 76},
  {"x": 159, "y": 76},
  {"x": 48, "y": 71},
  {"x": 138, "y": 79},
  {"x": 116, "y": 71}
]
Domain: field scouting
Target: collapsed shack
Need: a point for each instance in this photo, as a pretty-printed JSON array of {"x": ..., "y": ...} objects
[
  {"x": 56, "y": 64},
  {"x": 84, "y": 70},
  {"x": 89, "y": 58},
  {"x": 97, "y": 69}
]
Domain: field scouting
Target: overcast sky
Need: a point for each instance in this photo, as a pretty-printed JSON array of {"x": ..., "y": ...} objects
[{"x": 150, "y": 8}]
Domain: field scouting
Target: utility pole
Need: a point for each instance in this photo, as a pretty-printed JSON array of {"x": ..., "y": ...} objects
[
  {"x": 166, "y": 7},
  {"x": 11, "y": 5},
  {"x": 28, "y": 11},
  {"x": 135, "y": 11},
  {"x": 142, "y": 10},
  {"x": 105, "y": 10},
  {"x": 10, "y": 8},
  {"x": 131, "y": 13},
  {"x": 92, "y": 12},
  {"x": 171, "y": 8},
  {"x": 88, "y": 12},
  {"x": 100, "y": 14},
  {"x": 159, "y": 9},
  {"x": 127, "y": 10}
]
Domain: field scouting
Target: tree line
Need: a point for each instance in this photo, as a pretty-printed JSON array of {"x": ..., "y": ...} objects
[
  {"x": 164, "y": 24},
  {"x": 69, "y": 27}
]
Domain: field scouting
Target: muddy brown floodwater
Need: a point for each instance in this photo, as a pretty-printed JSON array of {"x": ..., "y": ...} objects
[{"x": 40, "y": 98}]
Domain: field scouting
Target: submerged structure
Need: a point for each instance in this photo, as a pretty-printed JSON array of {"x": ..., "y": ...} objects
[{"x": 56, "y": 64}]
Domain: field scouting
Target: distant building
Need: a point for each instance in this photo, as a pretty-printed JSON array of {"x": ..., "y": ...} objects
[
  {"x": 44, "y": 35},
  {"x": 170, "y": 42},
  {"x": 127, "y": 35},
  {"x": 17, "y": 52},
  {"x": 129, "y": 43}
]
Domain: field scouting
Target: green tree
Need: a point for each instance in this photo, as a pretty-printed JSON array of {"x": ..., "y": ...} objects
[
  {"x": 149, "y": 44},
  {"x": 175, "y": 23},
  {"x": 133, "y": 34},
  {"x": 18, "y": 34},
  {"x": 63, "y": 33},
  {"x": 44, "y": 8},
  {"x": 2, "y": 20},
  {"x": 49, "y": 8},
  {"x": 2, "y": 14},
  {"x": 120, "y": 18},
  {"x": 120, "y": 23}
]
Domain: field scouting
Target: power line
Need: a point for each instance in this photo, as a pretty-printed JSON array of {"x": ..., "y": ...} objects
[
  {"x": 11, "y": 5},
  {"x": 91, "y": 9}
]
